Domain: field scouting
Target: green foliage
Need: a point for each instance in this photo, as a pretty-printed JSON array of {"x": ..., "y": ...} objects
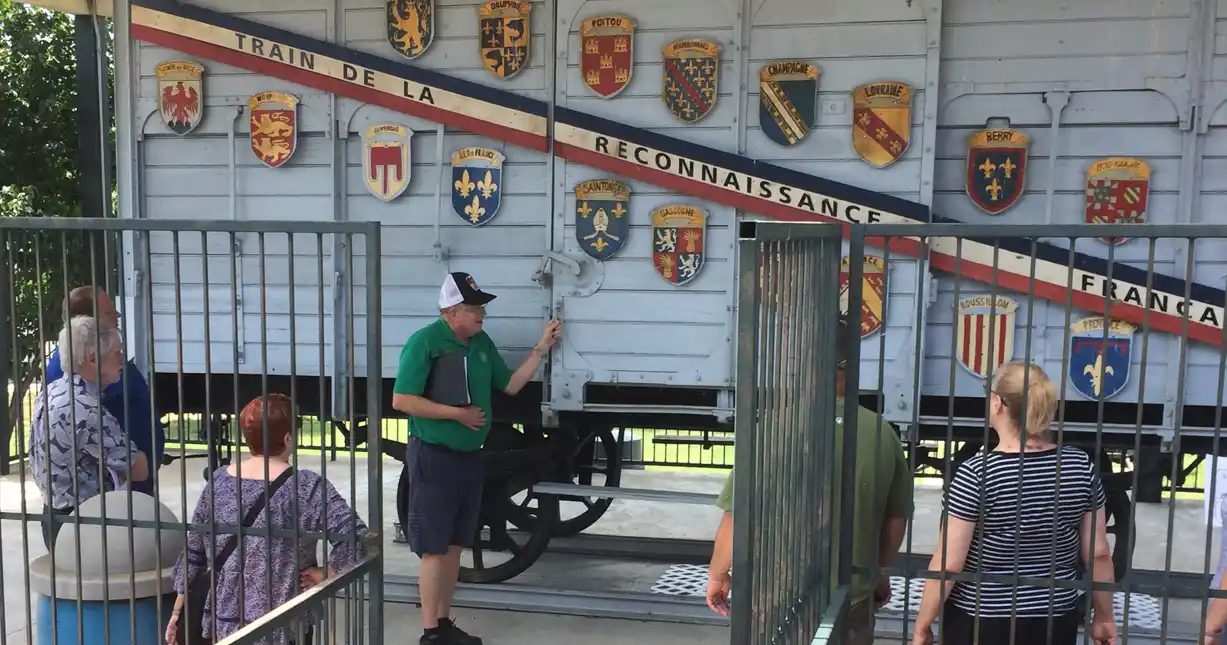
[{"x": 39, "y": 177}]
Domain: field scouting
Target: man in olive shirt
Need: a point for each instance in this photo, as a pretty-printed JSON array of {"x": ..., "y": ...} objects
[
  {"x": 882, "y": 503},
  {"x": 443, "y": 460}
]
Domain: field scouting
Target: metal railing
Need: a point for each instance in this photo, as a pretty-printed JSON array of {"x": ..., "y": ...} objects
[
  {"x": 1135, "y": 385},
  {"x": 784, "y": 496},
  {"x": 201, "y": 308}
]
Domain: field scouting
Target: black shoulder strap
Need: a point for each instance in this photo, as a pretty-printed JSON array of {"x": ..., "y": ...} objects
[{"x": 251, "y": 517}]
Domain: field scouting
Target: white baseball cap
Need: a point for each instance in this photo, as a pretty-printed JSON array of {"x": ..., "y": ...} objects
[{"x": 460, "y": 288}]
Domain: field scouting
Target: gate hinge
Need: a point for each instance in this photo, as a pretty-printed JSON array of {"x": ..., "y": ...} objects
[{"x": 546, "y": 269}]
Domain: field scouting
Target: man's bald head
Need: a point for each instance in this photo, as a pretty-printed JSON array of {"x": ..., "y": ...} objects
[{"x": 82, "y": 300}]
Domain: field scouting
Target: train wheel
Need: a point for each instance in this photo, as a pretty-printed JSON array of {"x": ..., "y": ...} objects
[
  {"x": 499, "y": 554},
  {"x": 587, "y": 466}
]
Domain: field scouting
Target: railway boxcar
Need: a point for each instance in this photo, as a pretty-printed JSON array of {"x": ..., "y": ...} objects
[{"x": 591, "y": 159}]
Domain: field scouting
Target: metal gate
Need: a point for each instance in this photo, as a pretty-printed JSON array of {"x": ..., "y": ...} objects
[
  {"x": 785, "y": 490},
  {"x": 1125, "y": 325},
  {"x": 217, "y": 318}
]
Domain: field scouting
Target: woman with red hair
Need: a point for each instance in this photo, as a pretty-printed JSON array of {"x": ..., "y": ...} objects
[{"x": 297, "y": 498}]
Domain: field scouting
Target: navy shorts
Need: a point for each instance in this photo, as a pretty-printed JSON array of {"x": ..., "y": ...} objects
[{"x": 444, "y": 497}]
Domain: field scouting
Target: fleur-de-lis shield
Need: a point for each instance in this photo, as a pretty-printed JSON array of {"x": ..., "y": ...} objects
[
  {"x": 691, "y": 78},
  {"x": 678, "y": 241},
  {"x": 504, "y": 36},
  {"x": 1099, "y": 368},
  {"x": 602, "y": 217},
  {"x": 996, "y": 168},
  {"x": 477, "y": 184}
]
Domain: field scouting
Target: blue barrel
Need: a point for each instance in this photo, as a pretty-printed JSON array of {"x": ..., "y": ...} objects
[
  {"x": 117, "y": 592},
  {"x": 94, "y": 621}
]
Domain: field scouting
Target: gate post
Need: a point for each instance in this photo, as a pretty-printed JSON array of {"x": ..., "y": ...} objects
[
  {"x": 783, "y": 488},
  {"x": 7, "y": 351}
]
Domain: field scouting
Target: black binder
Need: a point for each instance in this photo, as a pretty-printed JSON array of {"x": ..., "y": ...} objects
[{"x": 448, "y": 381}]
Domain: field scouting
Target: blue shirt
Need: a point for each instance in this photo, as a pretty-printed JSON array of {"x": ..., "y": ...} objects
[
  {"x": 72, "y": 438},
  {"x": 145, "y": 431}
]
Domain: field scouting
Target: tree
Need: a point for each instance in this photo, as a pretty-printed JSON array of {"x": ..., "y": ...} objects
[{"x": 40, "y": 176}]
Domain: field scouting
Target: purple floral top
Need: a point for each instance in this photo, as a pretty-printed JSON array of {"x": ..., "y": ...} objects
[{"x": 321, "y": 508}]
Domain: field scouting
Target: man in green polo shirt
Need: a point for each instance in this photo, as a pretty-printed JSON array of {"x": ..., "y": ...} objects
[
  {"x": 443, "y": 460},
  {"x": 882, "y": 502}
]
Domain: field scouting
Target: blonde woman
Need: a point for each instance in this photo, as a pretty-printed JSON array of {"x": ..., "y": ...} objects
[{"x": 1042, "y": 514}]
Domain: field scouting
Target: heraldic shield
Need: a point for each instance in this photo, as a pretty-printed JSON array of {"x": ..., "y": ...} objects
[
  {"x": 503, "y": 35},
  {"x": 881, "y": 122},
  {"x": 978, "y": 326},
  {"x": 873, "y": 291},
  {"x": 274, "y": 127},
  {"x": 180, "y": 95},
  {"x": 411, "y": 26},
  {"x": 678, "y": 240},
  {"x": 607, "y": 60},
  {"x": 787, "y": 100},
  {"x": 385, "y": 160},
  {"x": 691, "y": 76},
  {"x": 602, "y": 219},
  {"x": 1098, "y": 368},
  {"x": 996, "y": 168},
  {"x": 477, "y": 184},
  {"x": 1117, "y": 192}
]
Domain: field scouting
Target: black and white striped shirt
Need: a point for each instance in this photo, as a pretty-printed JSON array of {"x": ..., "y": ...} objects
[{"x": 1052, "y": 502}]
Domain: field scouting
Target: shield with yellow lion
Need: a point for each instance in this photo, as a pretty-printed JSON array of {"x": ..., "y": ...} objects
[
  {"x": 411, "y": 26},
  {"x": 273, "y": 127}
]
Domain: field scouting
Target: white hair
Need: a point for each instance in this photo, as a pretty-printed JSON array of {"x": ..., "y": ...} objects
[{"x": 85, "y": 337}]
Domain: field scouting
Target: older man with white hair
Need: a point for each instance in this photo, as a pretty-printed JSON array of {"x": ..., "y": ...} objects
[{"x": 77, "y": 448}]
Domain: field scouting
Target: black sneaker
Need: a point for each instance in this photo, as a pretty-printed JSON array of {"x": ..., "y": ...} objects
[
  {"x": 456, "y": 636},
  {"x": 437, "y": 638}
]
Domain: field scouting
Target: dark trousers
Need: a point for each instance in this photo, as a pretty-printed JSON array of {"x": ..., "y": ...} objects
[
  {"x": 960, "y": 628},
  {"x": 444, "y": 499},
  {"x": 52, "y": 529}
]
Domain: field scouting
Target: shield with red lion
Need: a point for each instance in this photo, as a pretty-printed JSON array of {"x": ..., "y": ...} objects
[{"x": 180, "y": 95}]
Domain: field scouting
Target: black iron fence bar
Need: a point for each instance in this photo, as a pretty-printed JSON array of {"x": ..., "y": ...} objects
[
  {"x": 374, "y": 405},
  {"x": 745, "y": 539},
  {"x": 124, "y": 522},
  {"x": 189, "y": 226},
  {"x": 851, "y": 411},
  {"x": 283, "y": 614},
  {"x": 1131, "y": 586}
]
